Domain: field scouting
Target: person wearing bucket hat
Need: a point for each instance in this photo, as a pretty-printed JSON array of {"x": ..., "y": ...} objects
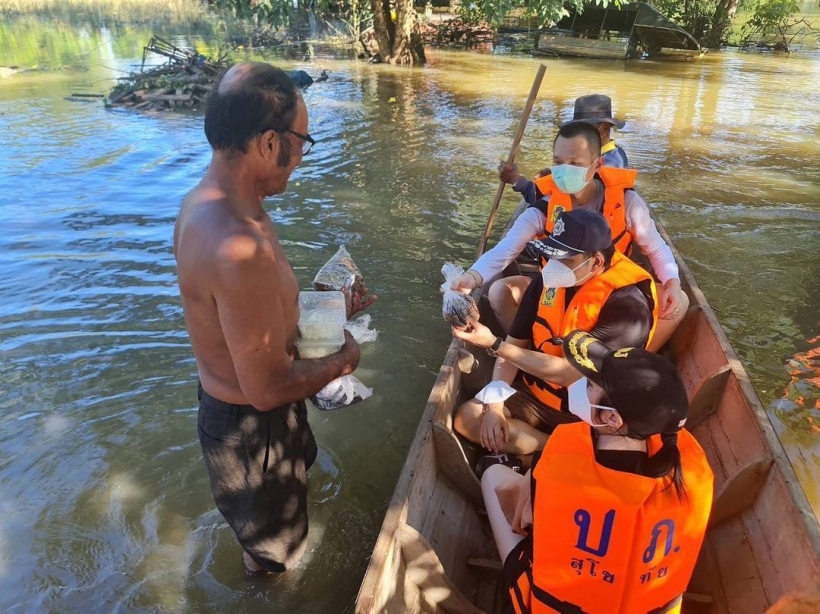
[
  {"x": 596, "y": 110},
  {"x": 586, "y": 284},
  {"x": 635, "y": 493},
  {"x": 580, "y": 181}
]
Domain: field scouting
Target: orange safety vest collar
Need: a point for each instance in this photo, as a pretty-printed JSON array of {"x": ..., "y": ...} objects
[
  {"x": 616, "y": 182},
  {"x": 555, "y": 319},
  {"x": 611, "y": 541}
]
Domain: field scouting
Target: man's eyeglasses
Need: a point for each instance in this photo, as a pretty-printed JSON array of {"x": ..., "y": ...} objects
[{"x": 307, "y": 141}]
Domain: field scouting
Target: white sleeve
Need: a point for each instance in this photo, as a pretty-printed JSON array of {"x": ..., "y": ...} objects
[
  {"x": 529, "y": 225},
  {"x": 646, "y": 235}
]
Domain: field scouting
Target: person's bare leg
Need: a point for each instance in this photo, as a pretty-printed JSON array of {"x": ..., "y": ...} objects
[
  {"x": 252, "y": 568},
  {"x": 665, "y": 328},
  {"x": 467, "y": 420},
  {"x": 505, "y": 538},
  {"x": 505, "y": 297},
  {"x": 523, "y": 439}
]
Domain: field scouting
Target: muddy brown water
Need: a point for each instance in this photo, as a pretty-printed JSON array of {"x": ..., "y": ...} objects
[{"x": 104, "y": 500}]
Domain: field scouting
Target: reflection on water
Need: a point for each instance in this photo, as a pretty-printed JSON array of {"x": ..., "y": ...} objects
[{"x": 105, "y": 501}]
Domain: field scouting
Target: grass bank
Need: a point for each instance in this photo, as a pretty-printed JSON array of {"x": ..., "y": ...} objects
[{"x": 100, "y": 12}]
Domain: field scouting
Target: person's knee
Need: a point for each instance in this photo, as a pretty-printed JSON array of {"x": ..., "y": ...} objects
[
  {"x": 464, "y": 420},
  {"x": 684, "y": 304},
  {"x": 494, "y": 475},
  {"x": 499, "y": 295}
]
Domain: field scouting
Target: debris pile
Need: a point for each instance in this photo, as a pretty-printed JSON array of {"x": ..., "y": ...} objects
[{"x": 182, "y": 82}]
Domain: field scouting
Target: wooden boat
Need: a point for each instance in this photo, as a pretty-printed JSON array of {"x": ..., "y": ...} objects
[
  {"x": 608, "y": 32},
  {"x": 435, "y": 551}
]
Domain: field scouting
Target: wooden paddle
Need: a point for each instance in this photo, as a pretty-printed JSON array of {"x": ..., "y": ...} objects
[{"x": 522, "y": 124}]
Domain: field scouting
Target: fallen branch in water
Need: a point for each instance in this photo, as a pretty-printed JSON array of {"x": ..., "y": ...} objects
[{"x": 181, "y": 83}]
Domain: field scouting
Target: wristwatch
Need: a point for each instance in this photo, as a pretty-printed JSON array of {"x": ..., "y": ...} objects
[{"x": 493, "y": 349}]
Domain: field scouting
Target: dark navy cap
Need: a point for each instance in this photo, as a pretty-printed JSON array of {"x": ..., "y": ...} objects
[{"x": 575, "y": 232}]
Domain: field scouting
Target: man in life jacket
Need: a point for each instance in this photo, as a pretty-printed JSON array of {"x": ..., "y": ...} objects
[
  {"x": 580, "y": 181},
  {"x": 586, "y": 284},
  {"x": 613, "y": 516}
]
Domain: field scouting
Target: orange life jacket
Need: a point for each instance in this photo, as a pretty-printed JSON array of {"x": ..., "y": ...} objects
[
  {"x": 555, "y": 318},
  {"x": 607, "y": 541},
  {"x": 616, "y": 182}
]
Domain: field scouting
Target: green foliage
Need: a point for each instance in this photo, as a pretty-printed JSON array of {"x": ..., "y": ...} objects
[
  {"x": 548, "y": 12},
  {"x": 545, "y": 12},
  {"x": 696, "y": 16},
  {"x": 275, "y": 13},
  {"x": 280, "y": 13},
  {"x": 471, "y": 14},
  {"x": 772, "y": 18},
  {"x": 490, "y": 11}
]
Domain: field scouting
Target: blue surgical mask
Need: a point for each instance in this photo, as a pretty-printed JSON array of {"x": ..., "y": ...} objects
[{"x": 570, "y": 179}]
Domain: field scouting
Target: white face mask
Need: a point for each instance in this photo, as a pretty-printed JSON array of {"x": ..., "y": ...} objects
[
  {"x": 579, "y": 404},
  {"x": 558, "y": 275}
]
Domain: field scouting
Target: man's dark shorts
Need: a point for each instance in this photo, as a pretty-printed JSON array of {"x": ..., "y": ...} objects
[{"x": 257, "y": 463}]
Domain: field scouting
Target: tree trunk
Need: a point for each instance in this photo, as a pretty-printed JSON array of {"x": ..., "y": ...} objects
[
  {"x": 722, "y": 21},
  {"x": 399, "y": 43}
]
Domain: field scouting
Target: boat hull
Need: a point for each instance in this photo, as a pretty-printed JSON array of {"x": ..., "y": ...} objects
[{"x": 435, "y": 551}]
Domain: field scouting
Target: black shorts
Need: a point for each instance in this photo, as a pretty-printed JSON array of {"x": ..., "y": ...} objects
[
  {"x": 257, "y": 463},
  {"x": 526, "y": 407}
]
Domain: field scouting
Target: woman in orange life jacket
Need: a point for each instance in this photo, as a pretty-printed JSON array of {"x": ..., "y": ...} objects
[
  {"x": 618, "y": 504},
  {"x": 579, "y": 180}
]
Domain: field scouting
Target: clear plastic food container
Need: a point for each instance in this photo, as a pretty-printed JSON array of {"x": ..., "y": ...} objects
[
  {"x": 310, "y": 348},
  {"x": 322, "y": 316}
]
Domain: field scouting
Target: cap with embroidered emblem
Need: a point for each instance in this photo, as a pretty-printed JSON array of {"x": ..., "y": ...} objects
[{"x": 575, "y": 232}]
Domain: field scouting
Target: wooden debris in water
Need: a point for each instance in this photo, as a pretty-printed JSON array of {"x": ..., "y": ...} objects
[{"x": 181, "y": 83}]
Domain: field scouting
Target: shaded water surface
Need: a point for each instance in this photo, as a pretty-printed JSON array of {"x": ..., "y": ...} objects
[{"x": 104, "y": 500}]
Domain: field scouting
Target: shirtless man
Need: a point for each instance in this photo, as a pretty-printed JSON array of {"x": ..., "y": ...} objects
[{"x": 239, "y": 295}]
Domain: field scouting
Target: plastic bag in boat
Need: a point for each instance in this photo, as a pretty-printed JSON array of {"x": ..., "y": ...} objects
[
  {"x": 459, "y": 309},
  {"x": 341, "y": 392},
  {"x": 360, "y": 329}
]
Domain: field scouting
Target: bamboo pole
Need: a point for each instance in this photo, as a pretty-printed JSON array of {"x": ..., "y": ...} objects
[{"x": 522, "y": 124}]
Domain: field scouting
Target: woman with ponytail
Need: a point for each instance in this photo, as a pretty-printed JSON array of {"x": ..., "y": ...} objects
[{"x": 619, "y": 501}]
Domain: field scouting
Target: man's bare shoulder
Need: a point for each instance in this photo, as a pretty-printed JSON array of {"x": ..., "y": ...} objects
[{"x": 208, "y": 223}]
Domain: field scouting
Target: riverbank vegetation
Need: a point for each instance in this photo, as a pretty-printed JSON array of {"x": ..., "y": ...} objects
[
  {"x": 395, "y": 31},
  {"x": 101, "y": 12}
]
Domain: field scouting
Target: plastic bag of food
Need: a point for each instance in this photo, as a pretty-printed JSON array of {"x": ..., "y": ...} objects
[
  {"x": 341, "y": 392},
  {"x": 360, "y": 329},
  {"x": 459, "y": 309},
  {"x": 340, "y": 273}
]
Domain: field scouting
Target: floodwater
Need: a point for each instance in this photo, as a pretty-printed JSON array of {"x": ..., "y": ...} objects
[{"x": 104, "y": 499}]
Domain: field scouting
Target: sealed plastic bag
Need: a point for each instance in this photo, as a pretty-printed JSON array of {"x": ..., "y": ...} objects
[
  {"x": 340, "y": 273},
  {"x": 360, "y": 329},
  {"x": 459, "y": 309},
  {"x": 341, "y": 392}
]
